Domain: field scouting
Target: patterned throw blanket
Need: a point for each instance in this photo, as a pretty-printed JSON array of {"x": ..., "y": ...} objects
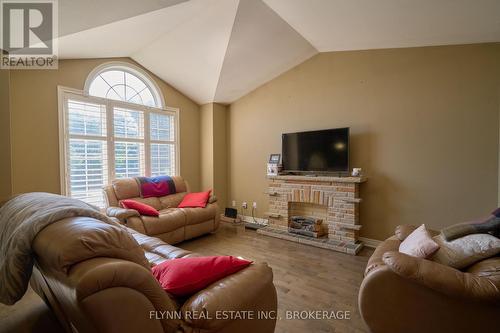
[
  {"x": 21, "y": 219},
  {"x": 156, "y": 186}
]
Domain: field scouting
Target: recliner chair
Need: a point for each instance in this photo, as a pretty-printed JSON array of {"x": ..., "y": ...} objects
[
  {"x": 401, "y": 293},
  {"x": 96, "y": 278}
]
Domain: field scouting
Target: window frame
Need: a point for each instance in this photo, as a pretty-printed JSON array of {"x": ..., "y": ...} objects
[
  {"x": 66, "y": 93},
  {"x": 131, "y": 69}
]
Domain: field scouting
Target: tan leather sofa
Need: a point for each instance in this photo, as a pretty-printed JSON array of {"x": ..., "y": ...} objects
[
  {"x": 96, "y": 278},
  {"x": 406, "y": 294},
  {"x": 174, "y": 224}
]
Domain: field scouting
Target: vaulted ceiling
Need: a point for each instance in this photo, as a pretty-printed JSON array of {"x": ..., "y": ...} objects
[{"x": 220, "y": 50}]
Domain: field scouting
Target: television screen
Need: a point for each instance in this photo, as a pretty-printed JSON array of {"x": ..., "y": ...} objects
[{"x": 316, "y": 151}]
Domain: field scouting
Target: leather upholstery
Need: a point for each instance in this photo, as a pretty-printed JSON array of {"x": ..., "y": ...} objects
[
  {"x": 174, "y": 224},
  {"x": 172, "y": 201},
  {"x": 170, "y": 219},
  {"x": 98, "y": 280},
  {"x": 121, "y": 213},
  {"x": 197, "y": 215},
  {"x": 126, "y": 188},
  {"x": 95, "y": 239},
  {"x": 401, "y": 293}
]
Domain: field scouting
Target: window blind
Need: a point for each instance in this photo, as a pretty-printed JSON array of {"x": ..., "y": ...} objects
[
  {"x": 106, "y": 140},
  {"x": 88, "y": 158}
]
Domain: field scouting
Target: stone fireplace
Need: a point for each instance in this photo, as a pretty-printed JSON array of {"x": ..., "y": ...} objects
[{"x": 334, "y": 200}]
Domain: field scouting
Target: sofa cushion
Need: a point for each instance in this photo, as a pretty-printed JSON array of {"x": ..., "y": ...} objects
[
  {"x": 186, "y": 276},
  {"x": 180, "y": 184},
  {"x": 169, "y": 219},
  {"x": 172, "y": 201},
  {"x": 198, "y": 215},
  {"x": 158, "y": 186},
  {"x": 126, "y": 188},
  {"x": 197, "y": 199},
  {"x": 153, "y": 202},
  {"x": 140, "y": 207}
]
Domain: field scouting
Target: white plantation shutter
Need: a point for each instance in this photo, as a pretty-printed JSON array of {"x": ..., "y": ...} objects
[
  {"x": 87, "y": 167},
  {"x": 129, "y": 143},
  {"x": 162, "y": 136},
  {"x": 103, "y": 139}
]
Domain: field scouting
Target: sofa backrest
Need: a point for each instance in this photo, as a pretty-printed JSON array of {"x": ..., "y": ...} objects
[{"x": 128, "y": 188}]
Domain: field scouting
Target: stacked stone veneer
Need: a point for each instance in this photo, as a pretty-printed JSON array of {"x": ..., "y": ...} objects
[{"x": 335, "y": 199}]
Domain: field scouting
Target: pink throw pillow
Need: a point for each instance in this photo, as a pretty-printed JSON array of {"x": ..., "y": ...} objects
[{"x": 419, "y": 243}]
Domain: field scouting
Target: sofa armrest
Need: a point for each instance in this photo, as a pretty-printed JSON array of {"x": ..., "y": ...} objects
[
  {"x": 121, "y": 213},
  {"x": 441, "y": 278},
  {"x": 251, "y": 289},
  {"x": 212, "y": 199},
  {"x": 375, "y": 261},
  {"x": 99, "y": 282},
  {"x": 404, "y": 230}
]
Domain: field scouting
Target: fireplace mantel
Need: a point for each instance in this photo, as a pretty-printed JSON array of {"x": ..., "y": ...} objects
[
  {"x": 334, "y": 199},
  {"x": 319, "y": 179}
]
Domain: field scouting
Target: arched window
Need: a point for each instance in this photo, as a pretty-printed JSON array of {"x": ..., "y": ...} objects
[
  {"x": 117, "y": 127},
  {"x": 123, "y": 82}
]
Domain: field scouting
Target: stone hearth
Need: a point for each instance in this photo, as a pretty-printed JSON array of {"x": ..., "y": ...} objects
[{"x": 333, "y": 199}]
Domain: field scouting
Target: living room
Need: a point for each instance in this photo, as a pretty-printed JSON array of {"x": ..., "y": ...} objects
[{"x": 316, "y": 163}]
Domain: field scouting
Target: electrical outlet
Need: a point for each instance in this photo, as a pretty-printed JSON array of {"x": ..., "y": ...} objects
[
  {"x": 234, "y": 203},
  {"x": 244, "y": 205},
  {"x": 254, "y": 205}
]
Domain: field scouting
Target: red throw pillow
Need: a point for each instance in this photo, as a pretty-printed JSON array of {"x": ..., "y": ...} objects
[
  {"x": 196, "y": 199},
  {"x": 186, "y": 276},
  {"x": 142, "y": 208}
]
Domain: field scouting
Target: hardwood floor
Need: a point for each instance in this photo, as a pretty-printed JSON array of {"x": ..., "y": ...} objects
[{"x": 306, "y": 278}]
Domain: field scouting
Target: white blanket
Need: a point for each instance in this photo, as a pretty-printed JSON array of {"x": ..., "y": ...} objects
[{"x": 21, "y": 219}]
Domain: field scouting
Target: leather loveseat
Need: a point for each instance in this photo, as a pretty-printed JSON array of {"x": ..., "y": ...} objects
[
  {"x": 96, "y": 277},
  {"x": 174, "y": 224},
  {"x": 401, "y": 293}
]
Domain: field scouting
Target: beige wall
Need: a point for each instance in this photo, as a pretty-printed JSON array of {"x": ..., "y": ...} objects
[
  {"x": 424, "y": 126},
  {"x": 214, "y": 150},
  {"x": 220, "y": 153},
  {"x": 207, "y": 146},
  {"x": 5, "y": 170},
  {"x": 34, "y": 117}
]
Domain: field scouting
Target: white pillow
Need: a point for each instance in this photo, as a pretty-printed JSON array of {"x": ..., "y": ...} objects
[
  {"x": 419, "y": 243},
  {"x": 464, "y": 251}
]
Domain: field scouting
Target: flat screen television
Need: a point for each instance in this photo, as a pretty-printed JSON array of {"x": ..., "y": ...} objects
[{"x": 325, "y": 151}]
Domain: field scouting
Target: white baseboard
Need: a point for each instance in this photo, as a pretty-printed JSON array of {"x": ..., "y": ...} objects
[{"x": 370, "y": 242}]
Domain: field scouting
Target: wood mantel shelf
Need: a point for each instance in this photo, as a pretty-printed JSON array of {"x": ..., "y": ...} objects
[{"x": 320, "y": 178}]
